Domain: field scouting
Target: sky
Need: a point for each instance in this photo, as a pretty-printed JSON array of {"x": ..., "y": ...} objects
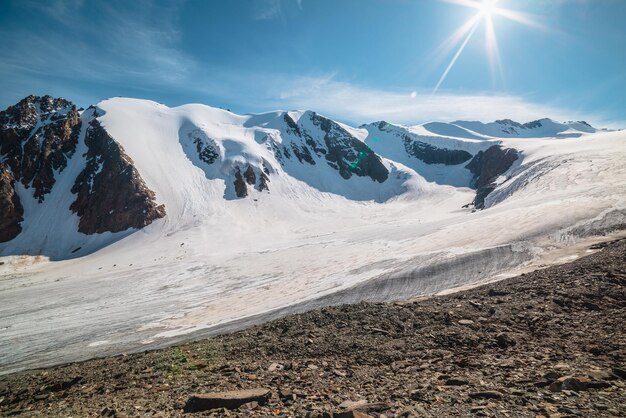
[{"x": 357, "y": 61}]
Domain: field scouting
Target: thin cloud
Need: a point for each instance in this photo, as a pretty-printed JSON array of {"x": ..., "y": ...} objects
[
  {"x": 274, "y": 9},
  {"x": 359, "y": 104},
  {"x": 356, "y": 104},
  {"x": 117, "y": 47},
  {"x": 60, "y": 10},
  {"x": 268, "y": 9}
]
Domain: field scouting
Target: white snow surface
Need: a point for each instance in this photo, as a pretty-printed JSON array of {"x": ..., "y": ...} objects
[{"x": 216, "y": 263}]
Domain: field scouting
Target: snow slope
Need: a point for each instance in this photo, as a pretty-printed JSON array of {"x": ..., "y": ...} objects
[
  {"x": 215, "y": 261},
  {"x": 542, "y": 128}
]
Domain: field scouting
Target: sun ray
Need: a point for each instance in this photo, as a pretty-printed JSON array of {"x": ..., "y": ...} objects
[
  {"x": 456, "y": 56},
  {"x": 486, "y": 10},
  {"x": 467, "y": 3},
  {"x": 453, "y": 41},
  {"x": 524, "y": 18},
  {"x": 493, "y": 52}
]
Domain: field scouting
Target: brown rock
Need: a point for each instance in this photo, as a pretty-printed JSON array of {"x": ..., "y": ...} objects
[
  {"x": 274, "y": 367},
  {"x": 576, "y": 384},
  {"x": 600, "y": 374},
  {"x": 10, "y": 207},
  {"x": 619, "y": 372},
  {"x": 241, "y": 190},
  {"x": 486, "y": 394},
  {"x": 504, "y": 340},
  {"x": 353, "y": 404},
  {"x": 32, "y": 155},
  {"x": 351, "y": 414},
  {"x": 457, "y": 382},
  {"x": 250, "y": 176},
  {"x": 111, "y": 195},
  {"x": 228, "y": 400}
]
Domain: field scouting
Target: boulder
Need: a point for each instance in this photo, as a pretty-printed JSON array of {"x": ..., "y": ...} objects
[
  {"x": 504, "y": 340},
  {"x": 229, "y": 400},
  {"x": 457, "y": 382},
  {"x": 576, "y": 384},
  {"x": 485, "y": 394},
  {"x": 351, "y": 414}
]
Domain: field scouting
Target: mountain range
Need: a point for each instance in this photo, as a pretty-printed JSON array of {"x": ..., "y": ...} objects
[
  {"x": 47, "y": 142},
  {"x": 130, "y": 224}
]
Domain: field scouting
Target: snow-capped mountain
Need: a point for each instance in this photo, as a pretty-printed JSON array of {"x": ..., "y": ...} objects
[
  {"x": 59, "y": 163},
  {"x": 542, "y": 128},
  {"x": 130, "y": 224}
]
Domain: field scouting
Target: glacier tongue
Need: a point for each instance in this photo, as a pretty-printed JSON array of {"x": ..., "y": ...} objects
[{"x": 324, "y": 231}]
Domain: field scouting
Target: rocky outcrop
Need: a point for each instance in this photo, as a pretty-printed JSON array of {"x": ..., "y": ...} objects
[
  {"x": 206, "y": 148},
  {"x": 263, "y": 182},
  {"x": 37, "y": 137},
  {"x": 250, "y": 177},
  {"x": 10, "y": 206},
  {"x": 241, "y": 190},
  {"x": 433, "y": 155},
  {"x": 342, "y": 149},
  {"x": 487, "y": 166},
  {"x": 111, "y": 195}
]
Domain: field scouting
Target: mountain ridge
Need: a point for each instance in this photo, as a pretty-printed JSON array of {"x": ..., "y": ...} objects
[{"x": 55, "y": 125}]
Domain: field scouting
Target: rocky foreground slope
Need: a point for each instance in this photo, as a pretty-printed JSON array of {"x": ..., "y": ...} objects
[{"x": 550, "y": 343}]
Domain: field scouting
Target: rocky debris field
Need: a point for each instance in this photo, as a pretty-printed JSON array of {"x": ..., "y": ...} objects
[{"x": 546, "y": 344}]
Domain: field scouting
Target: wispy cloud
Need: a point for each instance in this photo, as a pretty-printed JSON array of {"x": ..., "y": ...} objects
[
  {"x": 360, "y": 104},
  {"x": 117, "y": 47},
  {"x": 61, "y": 10},
  {"x": 268, "y": 9},
  {"x": 274, "y": 9}
]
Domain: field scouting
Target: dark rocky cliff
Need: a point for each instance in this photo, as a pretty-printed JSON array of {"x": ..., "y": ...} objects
[
  {"x": 111, "y": 195},
  {"x": 487, "y": 166},
  {"x": 10, "y": 206},
  {"x": 39, "y": 137}
]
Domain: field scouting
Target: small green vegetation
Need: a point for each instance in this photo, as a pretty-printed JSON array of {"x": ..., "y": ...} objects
[{"x": 199, "y": 356}]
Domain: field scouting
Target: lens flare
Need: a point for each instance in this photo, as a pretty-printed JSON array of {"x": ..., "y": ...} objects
[{"x": 487, "y": 10}]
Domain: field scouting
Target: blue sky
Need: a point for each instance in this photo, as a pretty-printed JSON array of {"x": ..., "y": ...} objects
[{"x": 355, "y": 60}]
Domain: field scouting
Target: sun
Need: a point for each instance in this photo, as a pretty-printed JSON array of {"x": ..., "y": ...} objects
[{"x": 487, "y": 10}]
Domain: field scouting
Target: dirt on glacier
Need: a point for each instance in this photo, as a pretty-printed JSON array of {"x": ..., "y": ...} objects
[{"x": 550, "y": 343}]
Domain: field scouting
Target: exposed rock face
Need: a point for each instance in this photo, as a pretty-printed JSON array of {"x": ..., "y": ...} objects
[
  {"x": 258, "y": 180},
  {"x": 343, "y": 149},
  {"x": 10, "y": 207},
  {"x": 263, "y": 182},
  {"x": 433, "y": 155},
  {"x": 487, "y": 166},
  {"x": 241, "y": 190},
  {"x": 37, "y": 137},
  {"x": 250, "y": 176},
  {"x": 112, "y": 196},
  {"x": 205, "y": 147}
]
